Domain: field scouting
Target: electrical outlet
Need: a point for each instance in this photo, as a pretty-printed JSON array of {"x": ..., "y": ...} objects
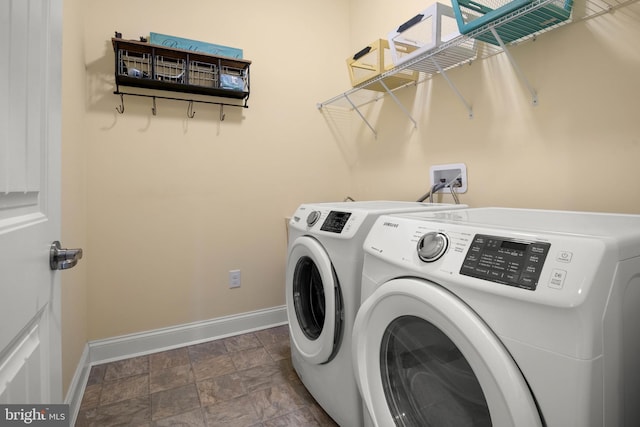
[
  {"x": 449, "y": 174},
  {"x": 234, "y": 278}
]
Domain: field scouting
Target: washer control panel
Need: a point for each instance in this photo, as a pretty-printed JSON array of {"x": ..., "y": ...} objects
[{"x": 506, "y": 261}]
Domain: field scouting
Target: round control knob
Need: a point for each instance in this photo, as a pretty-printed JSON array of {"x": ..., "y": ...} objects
[
  {"x": 313, "y": 217},
  {"x": 432, "y": 246}
]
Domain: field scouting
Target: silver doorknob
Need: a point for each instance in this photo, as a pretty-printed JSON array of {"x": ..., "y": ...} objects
[{"x": 62, "y": 258}]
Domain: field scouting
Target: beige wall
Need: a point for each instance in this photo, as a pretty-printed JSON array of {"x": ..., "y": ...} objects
[
  {"x": 74, "y": 190},
  {"x": 165, "y": 206},
  {"x": 175, "y": 203},
  {"x": 578, "y": 149}
]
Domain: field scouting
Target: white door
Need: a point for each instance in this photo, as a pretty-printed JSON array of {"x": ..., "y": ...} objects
[
  {"x": 30, "y": 132},
  {"x": 314, "y": 301},
  {"x": 423, "y": 357}
]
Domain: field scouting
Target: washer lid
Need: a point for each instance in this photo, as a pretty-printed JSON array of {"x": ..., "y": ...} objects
[
  {"x": 314, "y": 301},
  {"x": 508, "y": 398}
]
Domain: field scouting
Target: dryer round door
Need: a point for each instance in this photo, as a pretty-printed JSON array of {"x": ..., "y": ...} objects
[
  {"x": 314, "y": 301},
  {"x": 423, "y": 357}
]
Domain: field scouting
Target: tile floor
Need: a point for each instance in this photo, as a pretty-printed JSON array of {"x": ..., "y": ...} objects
[{"x": 245, "y": 380}]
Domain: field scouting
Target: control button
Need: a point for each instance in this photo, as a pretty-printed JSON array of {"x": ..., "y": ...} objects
[
  {"x": 513, "y": 267},
  {"x": 528, "y": 281},
  {"x": 534, "y": 259},
  {"x": 471, "y": 258},
  {"x": 495, "y": 274},
  {"x": 493, "y": 244},
  {"x": 479, "y": 239},
  {"x": 482, "y": 271},
  {"x": 565, "y": 256},
  {"x": 468, "y": 267},
  {"x": 511, "y": 277},
  {"x": 532, "y": 269},
  {"x": 538, "y": 248},
  {"x": 313, "y": 217},
  {"x": 557, "y": 278},
  {"x": 432, "y": 246}
]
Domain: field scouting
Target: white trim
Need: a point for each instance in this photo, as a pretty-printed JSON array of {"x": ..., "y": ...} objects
[
  {"x": 126, "y": 346},
  {"x": 77, "y": 386}
]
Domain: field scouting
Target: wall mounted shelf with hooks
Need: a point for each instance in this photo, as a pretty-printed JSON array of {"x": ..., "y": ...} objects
[
  {"x": 190, "y": 111},
  {"x": 455, "y": 52},
  {"x": 148, "y": 66}
]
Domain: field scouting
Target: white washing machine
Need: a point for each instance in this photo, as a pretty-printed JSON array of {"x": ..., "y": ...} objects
[
  {"x": 500, "y": 317},
  {"x": 323, "y": 277}
]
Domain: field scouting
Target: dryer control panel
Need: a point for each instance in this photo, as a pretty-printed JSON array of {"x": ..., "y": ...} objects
[
  {"x": 506, "y": 261},
  {"x": 335, "y": 221}
]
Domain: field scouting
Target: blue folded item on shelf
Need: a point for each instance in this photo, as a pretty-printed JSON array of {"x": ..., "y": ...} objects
[
  {"x": 520, "y": 17},
  {"x": 194, "y": 45},
  {"x": 228, "y": 81}
]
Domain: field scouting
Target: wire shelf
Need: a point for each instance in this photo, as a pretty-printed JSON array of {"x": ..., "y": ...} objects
[{"x": 455, "y": 52}]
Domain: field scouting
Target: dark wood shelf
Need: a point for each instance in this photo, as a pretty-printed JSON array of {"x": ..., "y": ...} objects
[{"x": 144, "y": 65}]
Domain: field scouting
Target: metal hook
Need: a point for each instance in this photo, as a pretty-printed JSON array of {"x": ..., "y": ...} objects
[
  {"x": 222, "y": 114},
  {"x": 153, "y": 109},
  {"x": 120, "y": 108},
  {"x": 190, "y": 113}
]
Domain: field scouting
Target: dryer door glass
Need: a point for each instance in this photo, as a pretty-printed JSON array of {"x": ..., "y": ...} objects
[
  {"x": 426, "y": 379},
  {"x": 308, "y": 298}
]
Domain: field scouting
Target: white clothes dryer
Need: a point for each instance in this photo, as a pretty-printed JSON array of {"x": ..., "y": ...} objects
[
  {"x": 500, "y": 317},
  {"x": 323, "y": 277}
]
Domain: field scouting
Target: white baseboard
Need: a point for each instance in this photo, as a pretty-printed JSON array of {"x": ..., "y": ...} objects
[
  {"x": 126, "y": 346},
  {"x": 108, "y": 350},
  {"x": 78, "y": 383}
]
